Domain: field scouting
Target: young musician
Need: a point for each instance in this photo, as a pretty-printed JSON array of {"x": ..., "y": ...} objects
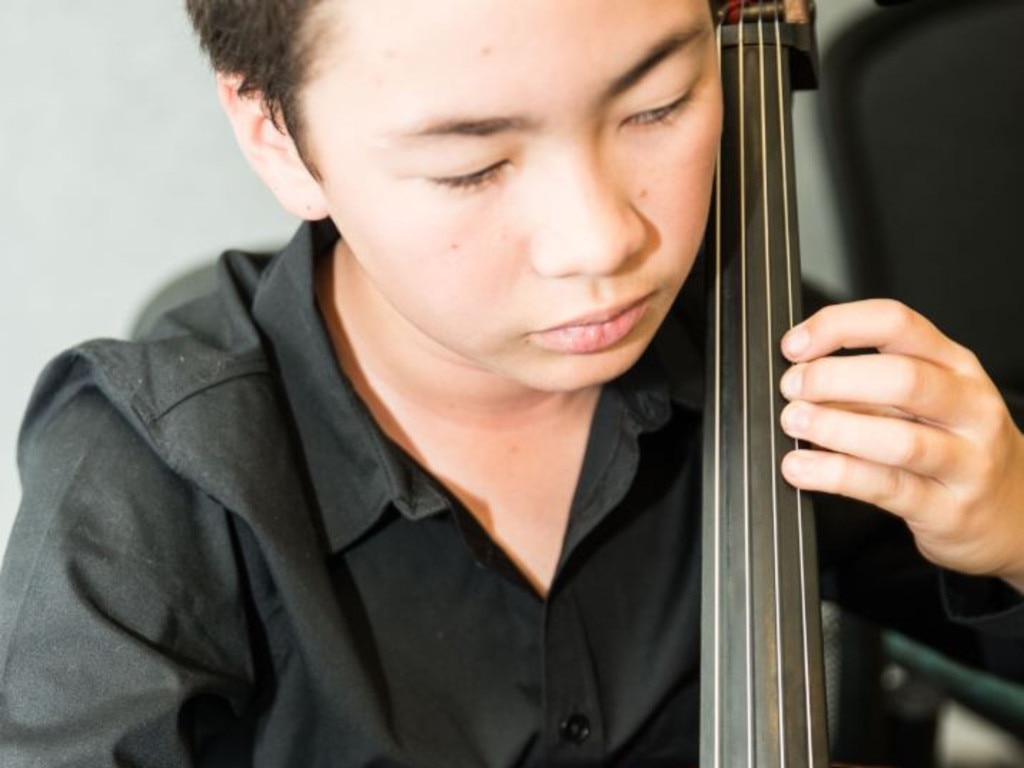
[{"x": 423, "y": 489}]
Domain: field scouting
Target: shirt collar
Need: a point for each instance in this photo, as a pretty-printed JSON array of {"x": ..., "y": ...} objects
[{"x": 356, "y": 472}]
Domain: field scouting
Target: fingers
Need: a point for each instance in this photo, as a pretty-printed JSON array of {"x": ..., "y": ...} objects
[
  {"x": 962, "y": 528},
  {"x": 913, "y": 386},
  {"x": 892, "y": 442},
  {"x": 915, "y": 427},
  {"x": 917, "y": 370},
  {"x": 881, "y": 324},
  {"x": 902, "y": 493}
]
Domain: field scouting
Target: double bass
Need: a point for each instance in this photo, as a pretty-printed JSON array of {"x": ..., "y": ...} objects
[{"x": 762, "y": 683}]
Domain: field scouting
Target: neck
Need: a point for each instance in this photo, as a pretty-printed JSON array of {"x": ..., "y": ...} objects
[{"x": 511, "y": 454}]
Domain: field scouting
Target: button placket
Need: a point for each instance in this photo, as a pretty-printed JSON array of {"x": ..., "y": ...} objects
[{"x": 575, "y": 730}]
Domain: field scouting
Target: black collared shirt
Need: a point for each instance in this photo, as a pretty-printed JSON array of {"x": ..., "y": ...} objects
[{"x": 221, "y": 560}]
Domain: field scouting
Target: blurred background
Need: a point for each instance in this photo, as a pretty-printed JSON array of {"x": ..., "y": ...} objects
[{"x": 118, "y": 174}]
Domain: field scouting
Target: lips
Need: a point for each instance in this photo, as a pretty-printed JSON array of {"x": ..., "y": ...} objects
[{"x": 592, "y": 333}]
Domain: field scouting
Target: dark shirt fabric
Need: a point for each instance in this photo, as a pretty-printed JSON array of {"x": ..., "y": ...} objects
[{"x": 220, "y": 560}]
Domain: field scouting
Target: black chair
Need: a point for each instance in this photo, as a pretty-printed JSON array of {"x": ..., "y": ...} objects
[
  {"x": 923, "y": 121},
  {"x": 923, "y": 117},
  {"x": 191, "y": 284}
]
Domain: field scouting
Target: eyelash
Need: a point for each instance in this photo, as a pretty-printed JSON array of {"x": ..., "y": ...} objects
[
  {"x": 471, "y": 181},
  {"x": 660, "y": 115}
]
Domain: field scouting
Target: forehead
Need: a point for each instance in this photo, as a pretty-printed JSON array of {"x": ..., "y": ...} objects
[{"x": 412, "y": 42}]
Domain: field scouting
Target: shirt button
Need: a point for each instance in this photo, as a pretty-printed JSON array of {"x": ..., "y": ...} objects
[{"x": 575, "y": 728}]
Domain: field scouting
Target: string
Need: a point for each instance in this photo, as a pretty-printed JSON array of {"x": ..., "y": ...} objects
[
  {"x": 717, "y": 522},
  {"x": 745, "y": 405},
  {"x": 790, "y": 276},
  {"x": 770, "y": 392}
]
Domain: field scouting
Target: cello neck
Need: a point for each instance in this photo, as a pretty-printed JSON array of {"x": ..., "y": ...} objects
[{"x": 762, "y": 684}]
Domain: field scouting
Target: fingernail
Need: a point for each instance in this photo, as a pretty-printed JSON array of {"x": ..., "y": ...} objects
[
  {"x": 796, "y": 341},
  {"x": 797, "y": 466},
  {"x": 792, "y": 382},
  {"x": 795, "y": 420}
]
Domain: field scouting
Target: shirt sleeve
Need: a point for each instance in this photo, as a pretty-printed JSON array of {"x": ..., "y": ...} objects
[
  {"x": 871, "y": 566},
  {"x": 122, "y": 624}
]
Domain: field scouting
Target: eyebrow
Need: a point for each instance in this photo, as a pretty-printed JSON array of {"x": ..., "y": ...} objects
[
  {"x": 655, "y": 55},
  {"x": 490, "y": 126}
]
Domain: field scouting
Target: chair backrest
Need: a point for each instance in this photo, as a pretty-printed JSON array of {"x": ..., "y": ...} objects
[
  {"x": 196, "y": 282},
  {"x": 923, "y": 110}
]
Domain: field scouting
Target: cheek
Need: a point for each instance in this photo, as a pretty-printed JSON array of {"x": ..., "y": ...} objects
[
  {"x": 400, "y": 236},
  {"x": 679, "y": 192},
  {"x": 445, "y": 271},
  {"x": 676, "y": 205},
  {"x": 476, "y": 273}
]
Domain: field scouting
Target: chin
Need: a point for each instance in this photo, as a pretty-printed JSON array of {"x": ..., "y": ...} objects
[{"x": 570, "y": 373}]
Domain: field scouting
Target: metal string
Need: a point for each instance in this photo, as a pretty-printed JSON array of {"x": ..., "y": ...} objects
[
  {"x": 717, "y": 523},
  {"x": 790, "y": 277},
  {"x": 745, "y": 405},
  {"x": 770, "y": 362}
]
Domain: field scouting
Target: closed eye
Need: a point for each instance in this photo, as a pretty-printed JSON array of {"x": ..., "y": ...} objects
[
  {"x": 659, "y": 115},
  {"x": 471, "y": 180},
  {"x": 478, "y": 179}
]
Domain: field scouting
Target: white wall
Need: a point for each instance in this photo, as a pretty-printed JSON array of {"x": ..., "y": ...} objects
[{"x": 117, "y": 172}]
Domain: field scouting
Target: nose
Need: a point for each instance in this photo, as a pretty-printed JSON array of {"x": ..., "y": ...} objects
[{"x": 587, "y": 223}]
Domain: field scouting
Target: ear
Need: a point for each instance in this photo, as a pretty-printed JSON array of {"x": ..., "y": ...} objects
[{"x": 271, "y": 152}]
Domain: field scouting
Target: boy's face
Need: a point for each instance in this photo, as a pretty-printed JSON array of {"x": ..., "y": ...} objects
[{"x": 522, "y": 185}]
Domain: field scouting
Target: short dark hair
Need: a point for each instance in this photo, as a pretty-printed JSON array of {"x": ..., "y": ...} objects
[{"x": 268, "y": 44}]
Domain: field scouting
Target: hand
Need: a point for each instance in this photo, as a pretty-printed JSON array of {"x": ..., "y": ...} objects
[{"x": 916, "y": 428}]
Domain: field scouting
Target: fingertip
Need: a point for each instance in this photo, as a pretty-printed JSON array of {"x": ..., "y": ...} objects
[
  {"x": 792, "y": 382},
  {"x": 796, "y": 342},
  {"x": 796, "y": 467}
]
